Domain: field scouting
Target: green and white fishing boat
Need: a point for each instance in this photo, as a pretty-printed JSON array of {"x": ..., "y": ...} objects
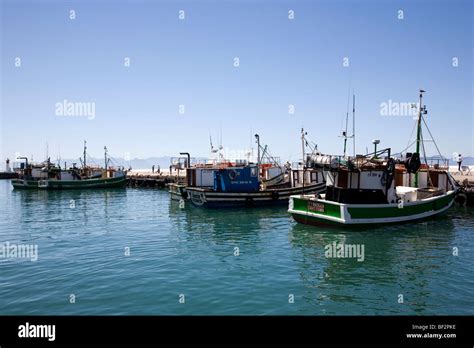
[
  {"x": 378, "y": 188},
  {"x": 48, "y": 176}
]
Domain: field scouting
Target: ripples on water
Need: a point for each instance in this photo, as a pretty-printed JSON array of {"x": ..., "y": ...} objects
[{"x": 191, "y": 251}]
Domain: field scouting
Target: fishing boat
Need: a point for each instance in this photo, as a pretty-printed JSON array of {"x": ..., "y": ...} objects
[
  {"x": 379, "y": 188},
  {"x": 48, "y": 176},
  {"x": 246, "y": 184},
  {"x": 200, "y": 173},
  {"x": 245, "y": 191}
]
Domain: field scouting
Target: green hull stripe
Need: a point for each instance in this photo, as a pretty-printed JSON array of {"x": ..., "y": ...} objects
[
  {"x": 365, "y": 214},
  {"x": 407, "y": 210},
  {"x": 333, "y": 210}
]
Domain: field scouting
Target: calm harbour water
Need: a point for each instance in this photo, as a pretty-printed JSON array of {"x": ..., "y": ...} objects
[{"x": 190, "y": 251}]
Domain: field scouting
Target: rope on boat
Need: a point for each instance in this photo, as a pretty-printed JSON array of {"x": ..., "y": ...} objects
[
  {"x": 411, "y": 144},
  {"x": 426, "y": 161},
  {"x": 411, "y": 135},
  {"x": 432, "y": 138}
]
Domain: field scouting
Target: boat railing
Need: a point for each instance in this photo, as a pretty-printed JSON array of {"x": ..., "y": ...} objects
[
  {"x": 181, "y": 162},
  {"x": 273, "y": 160},
  {"x": 336, "y": 162},
  {"x": 438, "y": 163}
]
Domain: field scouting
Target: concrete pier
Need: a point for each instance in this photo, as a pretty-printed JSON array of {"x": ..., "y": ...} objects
[
  {"x": 146, "y": 178},
  {"x": 466, "y": 181},
  {"x": 8, "y": 175}
]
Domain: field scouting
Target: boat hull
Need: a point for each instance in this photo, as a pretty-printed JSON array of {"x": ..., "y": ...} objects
[
  {"x": 313, "y": 211},
  {"x": 177, "y": 191},
  {"x": 212, "y": 199},
  {"x": 21, "y": 184}
]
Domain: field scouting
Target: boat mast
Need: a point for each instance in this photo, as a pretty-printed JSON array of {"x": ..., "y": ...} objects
[
  {"x": 302, "y": 146},
  {"x": 85, "y": 150},
  {"x": 105, "y": 157},
  {"x": 251, "y": 146},
  {"x": 258, "y": 150},
  {"x": 344, "y": 134},
  {"x": 353, "y": 125},
  {"x": 418, "y": 131}
]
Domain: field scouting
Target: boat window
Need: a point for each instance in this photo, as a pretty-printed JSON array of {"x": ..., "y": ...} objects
[
  {"x": 253, "y": 171},
  {"x": 296, "y": 177}
]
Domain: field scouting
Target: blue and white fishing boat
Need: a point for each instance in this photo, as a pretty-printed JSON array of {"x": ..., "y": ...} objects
[
  {"x": 200, "y": 172},
  {"x": 245, "y": 184},
  {"x": 240, "y": 186}
]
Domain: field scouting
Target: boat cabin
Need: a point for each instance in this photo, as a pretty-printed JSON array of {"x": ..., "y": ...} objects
[
  {"x": 237, "y": 179},
  {"x": 384, "y": 180}
]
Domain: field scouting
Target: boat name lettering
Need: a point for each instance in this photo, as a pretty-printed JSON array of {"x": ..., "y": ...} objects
[{"x": 316, "y": 206}]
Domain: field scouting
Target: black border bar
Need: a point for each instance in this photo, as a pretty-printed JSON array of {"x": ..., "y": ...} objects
[{"x": 225, "y": 330}]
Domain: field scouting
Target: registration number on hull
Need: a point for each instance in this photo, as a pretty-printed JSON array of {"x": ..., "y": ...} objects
[{"x": 316, "y": 206}]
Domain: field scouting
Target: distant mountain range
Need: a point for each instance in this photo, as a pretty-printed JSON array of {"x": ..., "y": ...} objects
[
  {"x": 467, "y": 161},
  {"x": 139, "y": 163}
]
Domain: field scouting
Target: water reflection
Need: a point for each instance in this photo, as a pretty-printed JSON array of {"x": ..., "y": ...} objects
[
  {"x": 192, "y": 248},
  {"x": 225, "y": 225},
  {"x": 398, "y": 259},
  {"x": 67, "y": 210}
]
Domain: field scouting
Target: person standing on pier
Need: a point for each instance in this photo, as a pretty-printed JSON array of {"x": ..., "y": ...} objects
[
  {"x": 459, "y": 160},
  {"x": 153, "y": 168}
]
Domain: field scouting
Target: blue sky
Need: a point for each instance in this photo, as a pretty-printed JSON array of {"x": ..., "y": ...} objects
[{"x": 191, "y": 62}]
